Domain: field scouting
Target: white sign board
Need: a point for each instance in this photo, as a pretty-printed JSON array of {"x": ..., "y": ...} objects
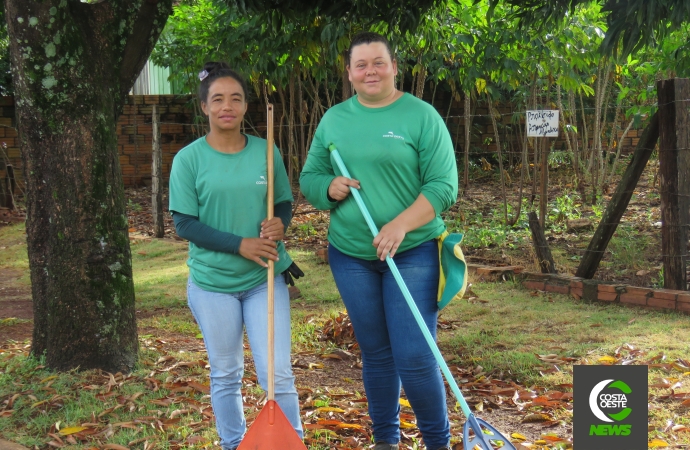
[{"x": 542, "y": 123}]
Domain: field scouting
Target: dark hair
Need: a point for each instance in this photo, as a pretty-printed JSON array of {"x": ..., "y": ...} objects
[
  {"x": 214, "y": 70},
  {"x": 367, "y": 37}
]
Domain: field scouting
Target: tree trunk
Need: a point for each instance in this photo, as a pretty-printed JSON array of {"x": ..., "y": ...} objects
[
  {"x": 602, "y": 128},
  {"x": 541, "y": 246},
  {"x": 524, "y": 165},
  {"x": 347, "y": 86},
  {"x": 499, "y": 156},
  {"x": 544, "y": 195},
  {"x": 618, "y": 150},
  {"x": 292, "y": 135},
  {"x": 576, "y": 149},
  {"x": 421, "y": 78},
  {"x": 614, "y": 132},
  {"x": 301, "y": 119},
  {"x": 564, "y": 125},
  {"x": 71, "y": 80},
  {"x": 585, "y": 135}
]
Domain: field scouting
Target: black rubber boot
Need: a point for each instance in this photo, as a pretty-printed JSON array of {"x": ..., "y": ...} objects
[{"x": 385, "y": 446}]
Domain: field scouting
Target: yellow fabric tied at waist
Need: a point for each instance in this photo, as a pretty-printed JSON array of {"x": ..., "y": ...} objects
[{"x": 452, "y": 281}]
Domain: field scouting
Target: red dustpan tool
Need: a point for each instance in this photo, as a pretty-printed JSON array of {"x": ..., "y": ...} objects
[{"x": 271, "y": 430}]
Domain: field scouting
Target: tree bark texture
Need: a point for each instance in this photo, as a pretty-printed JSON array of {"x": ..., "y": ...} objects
[
  {"x": 347, "y": 86},
  {"x": 674, "y": 172},
  {"x": 619, "y": 201},
  {"x": 541, "y": 246},
  {"x": 73, "y": 64}
]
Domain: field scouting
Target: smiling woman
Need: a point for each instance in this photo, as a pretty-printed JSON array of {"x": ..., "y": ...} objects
[
  {"x": 218, "y": 198},
  {"x": 400, "y": 150}
]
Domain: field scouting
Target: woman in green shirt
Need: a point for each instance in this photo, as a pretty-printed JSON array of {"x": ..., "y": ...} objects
[
  {"x": 218, "y": 200},
  {"x": 401, "y": 157}
]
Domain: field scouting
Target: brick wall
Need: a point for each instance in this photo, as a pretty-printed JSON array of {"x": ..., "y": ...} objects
[
  {"x": 134, "y": 134},
  {"x": 600, "y": 291},
  {"x": 585, "y": 289},
  {"x": 135, "y": 130}
]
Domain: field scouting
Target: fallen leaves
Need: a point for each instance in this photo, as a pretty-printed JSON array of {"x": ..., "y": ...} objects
[
  {"x": 339, "y": 331},
  {"x": 173, "y": 395},
  {"x": 607, "y": 360},
  {"x": 71, "y": 430},
  {"x": 537, "y": 417}
]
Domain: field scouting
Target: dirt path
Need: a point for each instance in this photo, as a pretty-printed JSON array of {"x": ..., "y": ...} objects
[{"x": 15, "y": 303}]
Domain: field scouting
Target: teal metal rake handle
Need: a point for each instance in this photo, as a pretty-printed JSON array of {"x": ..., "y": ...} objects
[{"x": 406, "y": 293}]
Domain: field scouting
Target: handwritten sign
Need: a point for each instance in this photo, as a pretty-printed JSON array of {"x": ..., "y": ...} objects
[{"x": 542, "y": 123}]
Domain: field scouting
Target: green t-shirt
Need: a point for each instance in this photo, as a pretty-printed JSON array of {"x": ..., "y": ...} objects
[
  {"x": 396, "y": 152},
  {"x": 227, "y": 191}
]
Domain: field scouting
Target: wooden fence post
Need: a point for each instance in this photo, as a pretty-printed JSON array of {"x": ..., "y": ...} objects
[
  {"x": 674, "y": 172},
  {"x": 156, "y": 178}
]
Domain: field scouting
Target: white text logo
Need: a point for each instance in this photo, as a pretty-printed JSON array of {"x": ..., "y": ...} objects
[{"x": 393, "y": 135}]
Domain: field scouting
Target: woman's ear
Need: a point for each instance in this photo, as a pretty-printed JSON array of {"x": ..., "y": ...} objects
[{"x": 204, "y": 108}]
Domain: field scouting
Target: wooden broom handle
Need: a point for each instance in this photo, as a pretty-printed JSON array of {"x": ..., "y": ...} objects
[{"x": 271, "y": 263}]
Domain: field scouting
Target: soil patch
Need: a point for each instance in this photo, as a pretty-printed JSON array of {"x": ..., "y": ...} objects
[
  {"x": 8, "y": 217},
  {"x": 18, "y": 332}
]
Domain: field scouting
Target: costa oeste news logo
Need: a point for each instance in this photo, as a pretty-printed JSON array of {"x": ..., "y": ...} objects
[
  {"x": 610, "y": 407},
  {"x": 599, "y": 401}
]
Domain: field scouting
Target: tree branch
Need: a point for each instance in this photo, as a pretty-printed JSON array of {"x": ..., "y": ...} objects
[{"x": 147, "y": 28}]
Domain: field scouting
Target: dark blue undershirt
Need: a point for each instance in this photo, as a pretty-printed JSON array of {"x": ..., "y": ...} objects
[{"x": 190, "y": 228}]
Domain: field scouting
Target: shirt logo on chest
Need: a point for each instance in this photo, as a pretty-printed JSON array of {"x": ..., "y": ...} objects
[
  {"x": 392, "y": 135},
  {"x": 262, "y": 181}
]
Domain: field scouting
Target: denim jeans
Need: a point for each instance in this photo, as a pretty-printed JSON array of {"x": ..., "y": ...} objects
[
  {"x": 393, "y": 347},
  {"x": 221, "y": 317}
]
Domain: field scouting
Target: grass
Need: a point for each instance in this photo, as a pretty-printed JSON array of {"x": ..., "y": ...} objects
[
  {"x": 504, "y": 329},
  {"x": 9, "y": 321},
  {"x": 628, "y": 247},
  {"x": 160, "y": 274},
  {"x": 13, "y": 251},
  {"x": 46, "y": 403}
]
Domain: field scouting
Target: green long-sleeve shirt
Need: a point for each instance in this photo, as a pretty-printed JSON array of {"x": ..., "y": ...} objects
[
  {"x": 396, "y": 152},
  {"x": 227, "y": 192}
]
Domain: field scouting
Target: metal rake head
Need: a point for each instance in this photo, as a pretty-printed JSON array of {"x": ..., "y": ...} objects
[{"x": 485, "y": 436}]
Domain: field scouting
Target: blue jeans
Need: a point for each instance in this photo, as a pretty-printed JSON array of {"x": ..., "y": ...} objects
[
  {"x": 393, "y": 347},
  {"x": 221, "y": 317}
]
